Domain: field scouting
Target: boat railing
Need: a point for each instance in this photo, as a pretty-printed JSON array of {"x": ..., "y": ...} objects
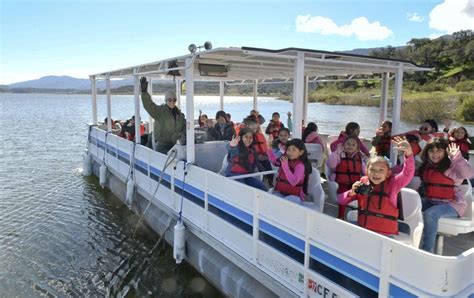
[{"x": 300, "y": 247}]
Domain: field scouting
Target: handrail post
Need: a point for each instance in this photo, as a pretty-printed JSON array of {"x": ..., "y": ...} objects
[
  {"x": 298, "y": 94},
  {"x": 221, "y": 95},
  {"x": 255, "y": 93},
  {"x": 384, "y": 97}
]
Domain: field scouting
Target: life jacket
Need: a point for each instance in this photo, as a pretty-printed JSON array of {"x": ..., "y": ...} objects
[
  {"x": 415, "y": 147},
  {"x": 376, "y": 213},
  {"x": 278, "y": 125},
  {"x": 282, "y": 184},
  {"x": 463, "y": 146},
  {"x": 383, "y": 146},
  {"x": 237, "y": 167},
  {"x": 142, "y": 129},
  {"x": 437, "y": 185},
  {"x": 348, "y": 171},
  {"x": 260, "y": 143}
]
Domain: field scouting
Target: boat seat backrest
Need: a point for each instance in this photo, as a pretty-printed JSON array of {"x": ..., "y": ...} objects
[
  {"x": 412, "y": 215},
  {"x": 466, "y": 189},
  {"x": 209, "y": 155},
  {"x": 315, "y": 153},
  {"x": 315, "y": 190},
  {"x": 332, "y": 185}
]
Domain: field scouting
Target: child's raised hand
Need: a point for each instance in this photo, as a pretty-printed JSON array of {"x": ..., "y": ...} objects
[
  {"x": 452, "y": 149},
  {"x": 235, "y": 141},
  {"x": 284, "y": 158},
  {"x": 403, "y": 145}
]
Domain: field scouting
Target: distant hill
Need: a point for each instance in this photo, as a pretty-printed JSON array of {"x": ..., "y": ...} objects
[{"x": 67, "y": 82}]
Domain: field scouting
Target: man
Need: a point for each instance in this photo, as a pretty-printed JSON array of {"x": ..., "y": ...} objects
[{"x": 170, "y": 124}]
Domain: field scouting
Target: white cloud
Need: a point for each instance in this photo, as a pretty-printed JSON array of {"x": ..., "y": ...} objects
[
  {"x": 360, "y": 27},
  {"x": 414, "y": 17},
  {"x": 453, "y": 15}
]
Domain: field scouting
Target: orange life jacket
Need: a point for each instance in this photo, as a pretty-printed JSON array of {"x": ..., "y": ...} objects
[
  {"x": 376, "y": 213},
  {"x": 282, "y": 184},
  {"x": 237, "y": 167},
  {"x": 438, "y": 185},
  {"x": 348, "y": 171},
  {"x": 260, "y": 143}
]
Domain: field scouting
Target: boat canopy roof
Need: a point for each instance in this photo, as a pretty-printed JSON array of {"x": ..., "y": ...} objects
[{"x": 247, "y": 63}]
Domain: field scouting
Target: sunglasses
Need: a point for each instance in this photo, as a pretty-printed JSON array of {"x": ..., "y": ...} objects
[{"x": 171, "y": 99}]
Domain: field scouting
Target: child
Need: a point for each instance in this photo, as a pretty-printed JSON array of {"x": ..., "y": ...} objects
[
  {"x": 222, "y": 131},
  {"x": 347, "y": 166},
  {"x": 382, "y": 139},
  {"x": 377, "y": 194},
  {"x": 202, "y": 119},
  {"x": 260, "y": 145},
  {"x": 460, "y": 137},
  {"x": 442, "y": 171},
  {"x": 292, "y": 179},
  {"x": 242, "y": 158},
  {"x": 310, "y": 135},
  {"x": 274, "y": 126},
  {"x": 352, "y": 129},
  {"x": 278, "y": 145}
]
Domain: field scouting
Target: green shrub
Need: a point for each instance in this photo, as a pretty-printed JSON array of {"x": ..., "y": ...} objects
[
  {"x": 465, "y": 109},
  {"x": 465, "y": 86},
  {"x": 431, "y": 87},
  {"x": 428, "y": 108}
]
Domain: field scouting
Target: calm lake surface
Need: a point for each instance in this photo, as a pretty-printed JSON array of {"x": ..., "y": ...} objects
[{"x": 61, "y": 235}]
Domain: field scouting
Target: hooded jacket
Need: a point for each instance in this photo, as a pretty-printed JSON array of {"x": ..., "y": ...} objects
[{"x": 167, "y": 128}]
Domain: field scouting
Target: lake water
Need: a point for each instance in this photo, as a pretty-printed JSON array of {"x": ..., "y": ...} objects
[{"x": 61, "y": 235}]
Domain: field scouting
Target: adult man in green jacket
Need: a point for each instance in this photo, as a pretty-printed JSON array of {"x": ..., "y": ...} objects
[{"x": 170, "y": 124}]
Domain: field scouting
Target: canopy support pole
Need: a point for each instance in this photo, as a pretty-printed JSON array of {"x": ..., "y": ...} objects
[
  {"x": 94, "y": 100},
  {"x": 397, "y": 106},
  {"x": 298, "y": 95},
  {"x": 305, "y": 108},
  {"x": 189, "y": 75},
  {"x": 136, "y": 95},
  {"x": 221, "y": 95},
  {"x": 109, "y": 104},
  {"x": 178, "y": 93},
  {"x": 255, "y": 86},
  {"x": 384, "y": 98}
]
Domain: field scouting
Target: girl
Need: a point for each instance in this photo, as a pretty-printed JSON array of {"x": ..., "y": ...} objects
[
  {"x": 202, "y": 119},
  {"x": 381, "y": 141},
  {"x": 242, "y": 158},
  {"x": 260, "y": 145},
  {"x": 352, "y": 130},
  {"x": 442, "y": 171},
  {"x": 278, "y": 146},
  {"x": 347, "y": 166},
  {"x": 377, "y": 194},
  {"x": 274, "y": 126},
  {"x": 310, "y": 135},
  {"x": 292, "y": 179},
  {"x": 460, "y": 137}
]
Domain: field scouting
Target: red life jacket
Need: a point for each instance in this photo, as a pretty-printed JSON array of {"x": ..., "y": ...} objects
[
  {"x": 348, "y": 171},
  {"x": 376, "y": 213},
  {"x": 415, "y": 147},
  {"x": 437, "y": 185},
  {"x": 383, "y": 147},
  {"x": 282, "y": 184},
  {"x": 463, "y": 147},
  {"x": 238, "y": 167},
  {"x": 278, "y": 125},
  {"x": 260, "y": 143}
]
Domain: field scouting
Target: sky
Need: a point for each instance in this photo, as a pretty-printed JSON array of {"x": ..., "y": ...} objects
[{"x": 82, "y": 37}]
